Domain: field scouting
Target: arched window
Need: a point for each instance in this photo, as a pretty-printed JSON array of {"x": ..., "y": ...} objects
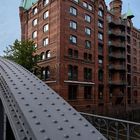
[
  {"x": 47, "y": 72},
  {"x": 101, "y": 11},
  {"x": 48, "y": 54},
  {"x": 42, "y": 56},
  {"x": 35, "y": 10}
]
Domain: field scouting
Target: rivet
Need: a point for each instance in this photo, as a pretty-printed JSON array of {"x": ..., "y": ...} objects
[
  {"x": 31, "y": 93},
  {"x": 57, "y": 109},
  {"x": 93, "y": 131},
  {"x": 40, "y": 104},
  {"x": 19, "y": 92},
  {"x": 47, "y": 138},
  {"x": 49, "y": 116},
  {"x": 22, "y": 98},
  {"x": 66, "y": 136},
  {"x": 42, "y": 93},
  {"x": 45, "y": 110},
  {"x": 53, "y": 104},
  {"x": 66, "y": 120},
  {"x": 75, "y": 113},
  {"x": 47, "y": 98},
  {"x": 26, "y": 104},
  {"x": 80, "y": 119},
  {"x": 37, "y": 123},
  {"x": 78, "y": 134},
  {"x": 55, "y": 121},
  {"x": 60, "y": 128},
  {"x": 35, "y": 98},
  {"x": 34, "y": 117},
  {"x": 30, "y": 111},
  {"x": 42, "y": 130},
  {"x": 72, "y": 127},
  {"x": 62, "y": 114},
  {"x": 86, "y": 124}
]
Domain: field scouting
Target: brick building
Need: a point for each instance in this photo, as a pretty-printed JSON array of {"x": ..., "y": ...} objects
[{"x": 82, "y": 49}]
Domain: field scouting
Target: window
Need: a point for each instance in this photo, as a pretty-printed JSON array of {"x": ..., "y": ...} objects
[
  {"x": 100, "y": 93},
  {"x": 45, "y": 2},
  {"x": 87, "y": 92},
  {"x": 100, "y": 13},
  {"x": 88, "y": 31},
  {"x": 46, "y": 28},
  {"x": 72, "y": 72},
  {"x": 100, "y": 36},
  {"x": 45, "y": 73},
  {"x": 34, "y": 22},
  {"x": 45, "y": 42},
  {"x": 88, "y": 18},
  {"x": 100, "y": 49},
  {"x": 35, "y": 10},
  {"x": 87, "y": 57},
  {"x": 73, "y": 25},
  {"x": 73, "y": 11},
  {"x": 87, "y": 44},
  {"x": 89, "y": 7},
  {"x": 73, "y": 39},
  {"x": 75, "y": 53},
  {"x": 100, "y": 60},
  {"x": 72, "y": 92},
  {"x": 100, "y": 24},
  {"x": 48, "y": 54},
  {"x": 85, "y": 4},
  {"x": 42, "y": 56},
  {"x": 34, "y": 34},
  {"x": 87, "y": 74},
  {"x": 100, "y": 75},
  {"x": 70, "y": 52},
  {"x": 46, "y": 15},
  {"x": 77, "y": 1}
]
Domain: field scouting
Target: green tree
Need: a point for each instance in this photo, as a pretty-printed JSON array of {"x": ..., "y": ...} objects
[{"x": 21, "y": 52}]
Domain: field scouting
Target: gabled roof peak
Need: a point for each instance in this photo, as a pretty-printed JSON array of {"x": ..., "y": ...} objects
[{"x": 27, "y": 4}]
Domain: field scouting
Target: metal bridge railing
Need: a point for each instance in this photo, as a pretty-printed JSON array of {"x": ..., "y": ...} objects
[{"x": 114, "y": 129}]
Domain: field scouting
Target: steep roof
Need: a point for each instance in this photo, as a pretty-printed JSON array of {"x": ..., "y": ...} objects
[{"x": 27, "y": 4}]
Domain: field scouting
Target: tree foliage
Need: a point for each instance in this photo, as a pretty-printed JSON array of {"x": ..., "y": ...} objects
[{"x": 21, "y": 52}]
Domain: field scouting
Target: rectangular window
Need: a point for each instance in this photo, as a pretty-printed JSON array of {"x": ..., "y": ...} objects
[
  {"x": 46, "y": 15},
  {"x": 72, "y": 72},
  {"x": 75, "y": 53},
  {"x": 85, "y": 4},
  {"x": 70, "y": 52},
  {"x": 77, "y": 1},
  {"x": 100, "y": 13},
  {"x": 87, "y": 44},
  {"x": 88, "y": 18},
  {"x": 100, "y": 24},
  {"x": 100, "y": 36},
  {"x": 73, "y": 25},
  {"x": 88, "y": 31},
  {"x": 34, "y": 23},
  {"x": 87, "y": 74},
  {"x": 46, "y": 28},
  {"x": 73, "y": 11},
  {"x": 45, "y": 42},
  {"x": 45, "y": 2},
  {"x": 87, "y": 92},
  {"x": 72, "y": 92},
  {"x": 100, "y": 75},
  {"x": 100, "y": 93},
  {"x": 89, "y": 7},
  {"x": 34, "y": 34},
  {"x": 73, "y": 39}
]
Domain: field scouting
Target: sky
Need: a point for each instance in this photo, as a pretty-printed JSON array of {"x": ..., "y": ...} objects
[{"x": 10, "y": 24}]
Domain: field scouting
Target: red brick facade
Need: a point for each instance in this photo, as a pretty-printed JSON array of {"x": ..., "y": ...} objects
[{"x": 73, "y": 49}]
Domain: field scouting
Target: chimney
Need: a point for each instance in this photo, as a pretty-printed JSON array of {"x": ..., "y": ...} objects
[{"x": 116, "y": 7}]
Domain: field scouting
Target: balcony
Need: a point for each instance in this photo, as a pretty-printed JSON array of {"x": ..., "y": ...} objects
[
  {"x": 113, "y": 23},
  {"x": 117, "y": 56},
  {"x": 114, "y": 34},
  {"x": 117, "y": 83},
  {"x": 116, "y": 45},
  {"x": 117, "y": 67}
]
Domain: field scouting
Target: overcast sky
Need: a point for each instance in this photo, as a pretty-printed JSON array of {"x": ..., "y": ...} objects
[{"x": 10, "y": 26}]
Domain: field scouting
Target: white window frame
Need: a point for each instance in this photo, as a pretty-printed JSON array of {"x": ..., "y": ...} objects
[
  {"x": 35, "y": 21},
  {"x": 46, "y": 2},
  {"x": 87, "y": 31},
  {"x": 73, "y": 11},
  {"x": 35, "y": 11},
  {"x": 73, "y": 39},
  {"x": 73, "y": 25},
  {"x": 87, "y": 18}
]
